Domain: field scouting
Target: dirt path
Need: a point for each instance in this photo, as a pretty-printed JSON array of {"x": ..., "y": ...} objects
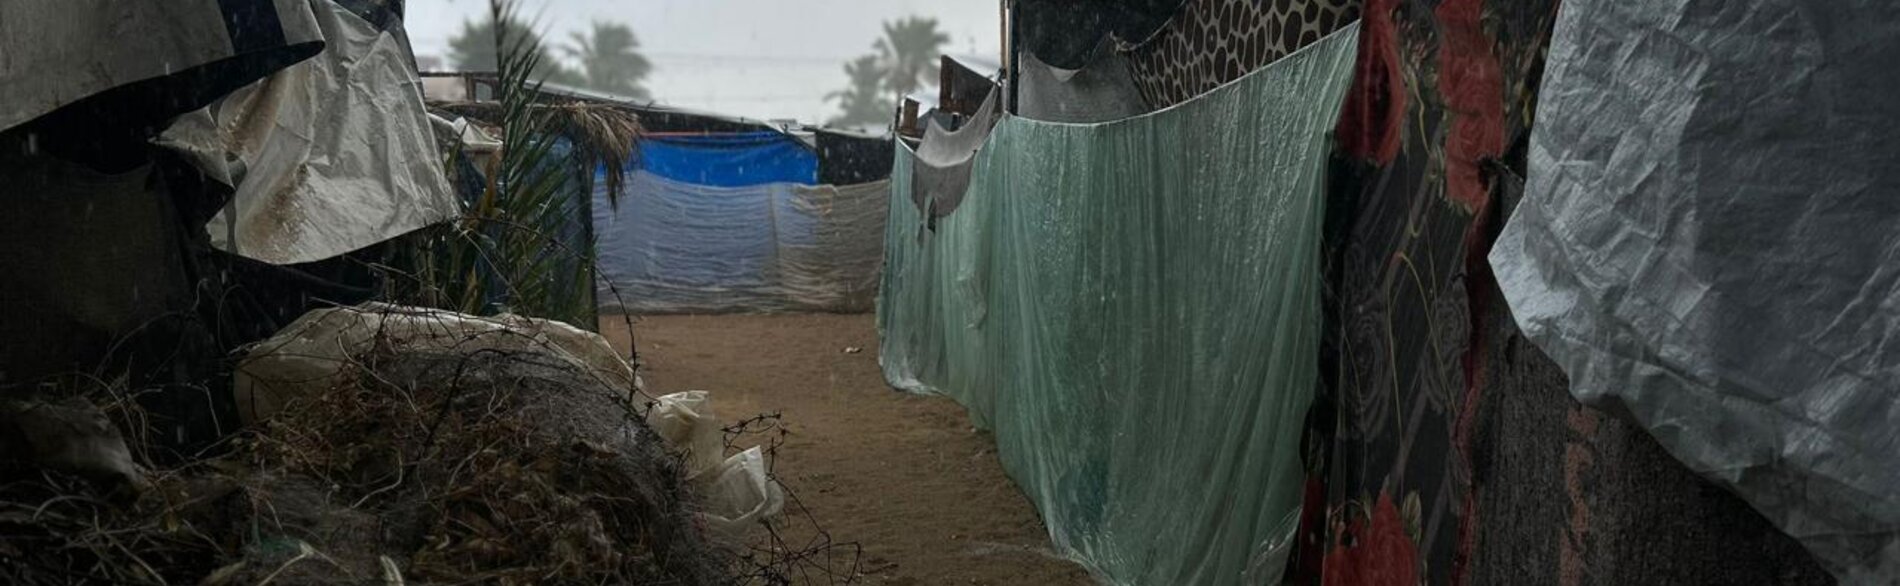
[{"x": 905, "y": 476}]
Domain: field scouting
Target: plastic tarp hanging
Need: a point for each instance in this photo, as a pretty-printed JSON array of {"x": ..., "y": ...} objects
[
  {"x": 156, "y": 59},
  {"x": 1101, "y": 91},
  {"x": 945, "y": 158},
  {"x": 327, "y": 156},
  {"x": 1706, "y": 241},
  {"x": 730, "y": 160},
  {"x": 674, "y": 247},
  {"x": 1133, "y": 308}
]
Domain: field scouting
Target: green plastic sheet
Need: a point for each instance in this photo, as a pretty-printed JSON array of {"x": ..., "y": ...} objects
[{"x": 1133, "y": 309}]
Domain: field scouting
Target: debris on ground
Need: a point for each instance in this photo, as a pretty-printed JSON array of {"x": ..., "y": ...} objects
[
  {"x": 493, "y": 462},
  {"x": 737, "y": 491}
]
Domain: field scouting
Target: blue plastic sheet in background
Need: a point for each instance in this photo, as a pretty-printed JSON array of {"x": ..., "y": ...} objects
[{"x": 730, "y": 160}]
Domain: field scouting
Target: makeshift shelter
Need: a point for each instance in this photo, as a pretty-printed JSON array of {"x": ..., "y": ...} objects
[
  {"x": 121, "y": 317},
  {"x": 327, "y": 156},
  {"x": 739, "y": 222},
  {"x": 123, "y": 277},
  {"x": 1136, "y": 329},
  {"x": 1440, "y": 447}
]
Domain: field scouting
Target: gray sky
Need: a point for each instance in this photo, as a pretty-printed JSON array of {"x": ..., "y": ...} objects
[{"x": 755, "y": 58}]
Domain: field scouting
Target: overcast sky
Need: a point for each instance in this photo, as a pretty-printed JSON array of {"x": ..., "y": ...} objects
[{"x": 754, "y": 58}]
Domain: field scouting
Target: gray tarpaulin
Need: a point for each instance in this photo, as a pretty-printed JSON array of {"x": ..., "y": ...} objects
[
  {"x": 327, "y": 156},
  {"x": 942, "y": 172},
  {"x": 1101, "y": 91},
  {"x": 1710, "y": 239},
  {"x": 57, "y": 52}
]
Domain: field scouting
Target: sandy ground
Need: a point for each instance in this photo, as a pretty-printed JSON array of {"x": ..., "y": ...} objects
[{"x": 904, "y": 476}]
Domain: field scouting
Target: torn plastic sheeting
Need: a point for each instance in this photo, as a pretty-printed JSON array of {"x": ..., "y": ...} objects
[
  {"x": 328, "y": 156},
  {"x": 1711, "y": 191},
  {"x": 1133, "y": 309},
  {"x": 673, "y": 247}
]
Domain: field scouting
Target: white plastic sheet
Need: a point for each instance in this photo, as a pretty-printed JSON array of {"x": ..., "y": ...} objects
[
  {"x": 1708, "y": 241},
  {"x": 327, "y": 156}
]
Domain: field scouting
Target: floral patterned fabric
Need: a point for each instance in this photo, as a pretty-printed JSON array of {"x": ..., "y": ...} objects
[{"x": 1442, "y": 88}]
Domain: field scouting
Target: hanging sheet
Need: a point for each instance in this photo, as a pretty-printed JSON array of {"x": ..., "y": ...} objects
[
  {"x": 328, "y": 156},
  {"x": 1133, "y": 309},
  {"x": 1706, "y": 241},
  {"x": 674, "y": 247},
  {"x": 941, "y": 174}
]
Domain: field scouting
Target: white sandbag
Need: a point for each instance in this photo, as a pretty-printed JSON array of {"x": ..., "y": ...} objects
[
  {"x": 686, "y": 421},
  {"x": 739, "y": 494},
  {"x": 735, "y": 493}
]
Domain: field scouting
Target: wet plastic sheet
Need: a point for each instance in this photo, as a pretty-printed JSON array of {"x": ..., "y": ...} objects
[
  {"x": 1133, "y": 308},
  {"x": 730, "y": 160},
  {"x": 674, "y": 247},
  {"x": 1101, "y": 91},
  {"x": 328, "y": 156},
  {"x": 163, "y": 58},
  {"x": 942, "y": 171},
  {"x": 1706, "y": 242}
]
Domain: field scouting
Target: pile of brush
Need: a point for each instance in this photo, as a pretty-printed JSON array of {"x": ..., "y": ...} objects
[{"x": 414, "y": 464}]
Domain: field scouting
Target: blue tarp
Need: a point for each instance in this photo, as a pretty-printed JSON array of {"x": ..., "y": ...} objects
[{"x": 730, "y": 160}]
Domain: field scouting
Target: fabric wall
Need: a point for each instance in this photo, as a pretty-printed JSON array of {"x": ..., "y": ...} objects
[
  {"x": 669, "y": 246},
  {"x": 1070, "y": 33},
  {"x": 1705, "y": 242},
  {"x": 1456, "y": 454},
  {"x": 1207, "y": 43},
  {"x": 1132, "y": 308}
]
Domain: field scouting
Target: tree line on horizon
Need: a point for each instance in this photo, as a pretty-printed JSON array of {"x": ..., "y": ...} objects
[{"x": 608, "y": 56}]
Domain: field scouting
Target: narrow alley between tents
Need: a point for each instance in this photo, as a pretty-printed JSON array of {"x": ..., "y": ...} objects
[{"x": 912, "y": 292}]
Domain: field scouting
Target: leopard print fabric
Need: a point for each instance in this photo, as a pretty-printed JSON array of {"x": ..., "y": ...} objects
[{"x": 1212, "y": 42}]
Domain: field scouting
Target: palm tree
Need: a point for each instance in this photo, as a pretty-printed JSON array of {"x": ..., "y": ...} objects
[
  {"x": 475, "y": 49},
  {"x": 611, "y": 61},
  {"x": 865, "y": 101},
  {"x": 911, "y": 48},
  {"x": 906, "y": 59}
]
